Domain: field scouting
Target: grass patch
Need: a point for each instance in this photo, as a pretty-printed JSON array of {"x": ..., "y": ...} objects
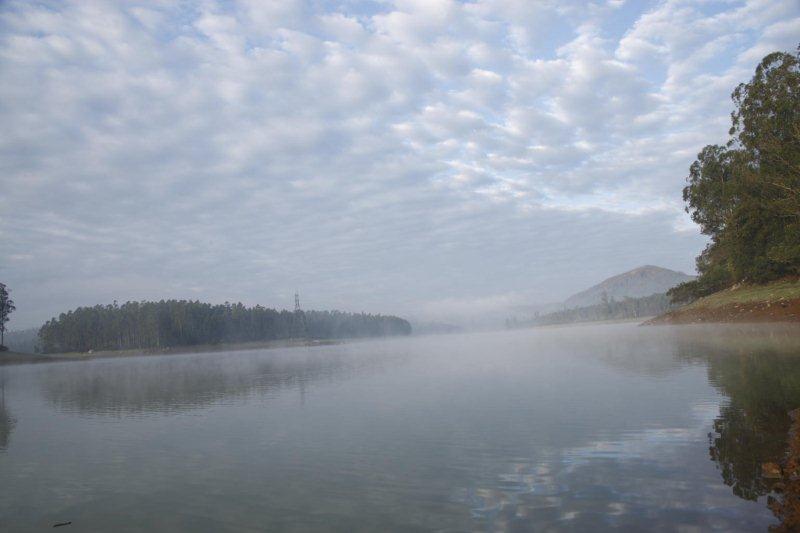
[{"x": 787, "y": 289}]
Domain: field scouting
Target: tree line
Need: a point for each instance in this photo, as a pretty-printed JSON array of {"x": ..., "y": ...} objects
[
  {"x": 745, "y": 195},
  {"x": 173, "y": 323},
  {"x": 608, "y": 309}
]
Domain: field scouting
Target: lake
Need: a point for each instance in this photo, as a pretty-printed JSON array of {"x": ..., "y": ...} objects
[{"x": 563, "y": 428}]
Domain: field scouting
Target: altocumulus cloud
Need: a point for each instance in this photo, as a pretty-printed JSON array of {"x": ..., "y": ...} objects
[{"x": 409, "y": 156}]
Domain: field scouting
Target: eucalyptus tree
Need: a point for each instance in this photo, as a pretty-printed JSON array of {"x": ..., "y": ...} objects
[{"x": 746, "y": 195}]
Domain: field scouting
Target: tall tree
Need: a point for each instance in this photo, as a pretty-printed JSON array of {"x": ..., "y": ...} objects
[
  {"x": 6, "y": 308},
  {"x": 766, "y": 128},
  {"x": 746, "y": 195}
]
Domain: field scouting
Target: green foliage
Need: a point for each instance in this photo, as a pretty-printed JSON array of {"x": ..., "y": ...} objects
[
  {"x": 746, "y": 195},
  {"x": 685, "y": 292},
  {"x": 714, "y": 276},
  {"x": 171, "y": 323},
  {"x": 711, "y": 193},
  {"x": 714, "y": 279}
]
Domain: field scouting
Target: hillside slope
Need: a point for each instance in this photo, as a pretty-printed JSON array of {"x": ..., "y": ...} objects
[
  {"x": 636, "y": 283},
  {"x": 778, "y": 301}
]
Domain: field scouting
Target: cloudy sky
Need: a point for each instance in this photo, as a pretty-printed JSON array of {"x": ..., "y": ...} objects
[{"x": 418, "y": 157}]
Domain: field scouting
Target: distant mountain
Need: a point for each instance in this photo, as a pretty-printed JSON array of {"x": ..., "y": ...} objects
[{"x": 637, "y": 283}]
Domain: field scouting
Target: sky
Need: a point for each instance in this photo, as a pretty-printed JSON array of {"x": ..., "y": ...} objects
[{"x": 434, "y": 159}]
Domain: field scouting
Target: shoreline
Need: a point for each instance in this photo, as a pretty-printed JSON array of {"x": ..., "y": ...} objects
[
  {"x": 609, "y": 321},
  {"x": 21, "y": 358},
  {"x": 753, "y": 313}
]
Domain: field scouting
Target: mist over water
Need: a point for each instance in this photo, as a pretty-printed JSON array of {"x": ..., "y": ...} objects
[{"x": 574, "y": 428}]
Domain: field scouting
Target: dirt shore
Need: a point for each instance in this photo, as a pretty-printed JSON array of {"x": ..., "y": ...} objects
[
  {"x": 778, "y": 301},
  {"x": 780, "y": 311}
]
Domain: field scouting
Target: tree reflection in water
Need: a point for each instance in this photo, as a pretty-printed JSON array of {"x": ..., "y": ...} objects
[
  {"x": 6, "y": 420},
  {"x": 759, "y": 372},
  {"x": 787, "y": 505},
  {"x": 176, "y": 383}
]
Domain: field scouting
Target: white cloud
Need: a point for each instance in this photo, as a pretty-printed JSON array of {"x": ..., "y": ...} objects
[{"x": 378, "y": 156}]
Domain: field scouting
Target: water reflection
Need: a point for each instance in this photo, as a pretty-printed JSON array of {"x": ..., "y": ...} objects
[
  {"x": 787, "y": 505},
  {"x": 753, "y": 425},
  {"x": 168, "y": 384},
  {"x": 587, "y": 428},
  {"x": 6, "y": 420},
  {"x": 758, "y": 370}
]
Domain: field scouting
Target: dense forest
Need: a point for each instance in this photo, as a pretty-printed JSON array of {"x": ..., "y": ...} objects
[
  {"x": 745, "y": 195},
  {"x": 609, "y": 309},
  {"x": 171, "y": 323}
]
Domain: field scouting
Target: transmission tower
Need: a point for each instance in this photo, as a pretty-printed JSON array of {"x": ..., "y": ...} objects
[{"x": 299, "y": 326}]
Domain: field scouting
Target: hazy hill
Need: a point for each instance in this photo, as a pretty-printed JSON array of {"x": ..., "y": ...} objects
[
  {"x": 636, "y": 283},
  {"x": 22, "y": 340},
  {"x": 433, "y": 328}
]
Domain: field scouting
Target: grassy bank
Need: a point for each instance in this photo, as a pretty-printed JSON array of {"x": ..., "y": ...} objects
[{"x": 778, "y": 301}]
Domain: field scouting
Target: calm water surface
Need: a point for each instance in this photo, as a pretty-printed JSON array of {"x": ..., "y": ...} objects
[{"x": 580, "y": 428}]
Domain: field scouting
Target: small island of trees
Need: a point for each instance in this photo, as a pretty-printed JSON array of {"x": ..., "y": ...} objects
[{"x": 174, "y": 323}]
